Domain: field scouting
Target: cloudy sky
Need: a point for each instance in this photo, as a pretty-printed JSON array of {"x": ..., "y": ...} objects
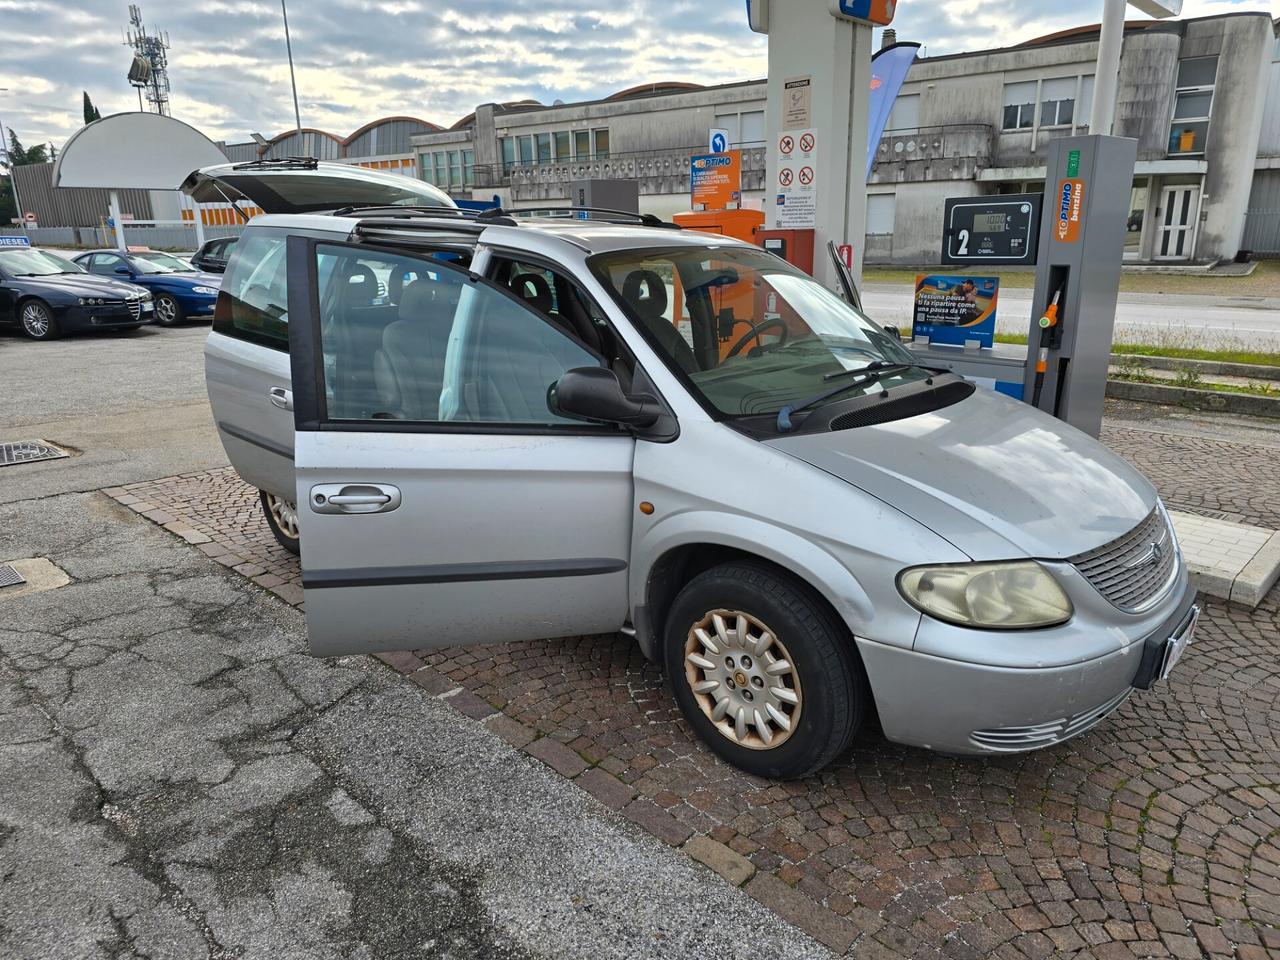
[{"x": 436, "y": 59}]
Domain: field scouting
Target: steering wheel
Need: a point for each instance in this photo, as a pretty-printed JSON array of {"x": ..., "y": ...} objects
[{"x": 757, "y": 329}]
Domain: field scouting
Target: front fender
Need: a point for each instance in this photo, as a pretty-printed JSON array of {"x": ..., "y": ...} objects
[{"x": 804, "y": 558}]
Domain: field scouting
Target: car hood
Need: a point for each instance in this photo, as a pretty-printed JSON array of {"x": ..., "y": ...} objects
[
  {"x": 995, "y": 477},
  {"x": 78, "y": 285}
]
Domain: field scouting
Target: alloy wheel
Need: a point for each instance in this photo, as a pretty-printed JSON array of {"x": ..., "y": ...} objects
[
  {"x": 166, "y": 310},
  {"x": 743, "y": 679},
  {"x": 35, "y": 320},
  {"x": 285, "y": 515}
]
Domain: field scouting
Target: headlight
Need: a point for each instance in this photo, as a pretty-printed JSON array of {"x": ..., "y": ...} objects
[
  {"x": 1001, "y": 596},
  {"x": 146, "y": 298},
  {"x": 91, "y": 301},
  {"x": 207, "y": 291}
]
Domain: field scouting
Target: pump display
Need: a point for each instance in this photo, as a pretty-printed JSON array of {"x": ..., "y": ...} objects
[{"x": 1078, "y": 250}]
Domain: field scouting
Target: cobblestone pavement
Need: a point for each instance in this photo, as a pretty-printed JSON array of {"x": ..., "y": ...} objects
[{"x": 1155, "y": 835}]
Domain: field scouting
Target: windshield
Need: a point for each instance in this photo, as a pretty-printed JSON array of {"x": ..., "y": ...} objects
[
  {"x": 153, "y": 262},
  {"x": 750, "y": 332},
  {"x": 34, "y": 263}
]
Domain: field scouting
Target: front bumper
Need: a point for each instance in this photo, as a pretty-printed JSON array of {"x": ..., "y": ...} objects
[
  {"x": 962, "y": 707},
  {"x": 104, "y": 317}
]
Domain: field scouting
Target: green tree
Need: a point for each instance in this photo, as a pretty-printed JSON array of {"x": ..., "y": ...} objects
[
  {"x": 90, "y": 111},
  {"x": 20, "y": 156},
  {"x": 7, "y": 210}
]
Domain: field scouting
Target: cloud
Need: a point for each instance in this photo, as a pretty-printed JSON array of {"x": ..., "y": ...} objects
[{"x": 357, "y": 60}]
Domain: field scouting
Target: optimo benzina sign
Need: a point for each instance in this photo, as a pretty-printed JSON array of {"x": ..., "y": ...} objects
[{"x": 878, "y": 12}]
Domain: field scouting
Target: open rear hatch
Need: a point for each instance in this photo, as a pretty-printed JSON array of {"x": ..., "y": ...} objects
[{"x": 304, "y": 185}]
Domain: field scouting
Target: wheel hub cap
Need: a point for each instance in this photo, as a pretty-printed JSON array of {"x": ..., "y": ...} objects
[
  {"x": 285, "y": 515},
  {"x": 35, "y": 321},
  {"x": 743, "y": 679}
]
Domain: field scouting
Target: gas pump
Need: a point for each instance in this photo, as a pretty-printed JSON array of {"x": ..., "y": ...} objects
[{"x": 1075, "y": 238}]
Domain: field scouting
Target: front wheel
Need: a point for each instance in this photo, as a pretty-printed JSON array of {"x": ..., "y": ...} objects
[
  {"x": 168, "y": 310},
  {"x": 762, "y": 672},
  {"x": 38, "y": 321},
  {"x": 282, "y": 518}
]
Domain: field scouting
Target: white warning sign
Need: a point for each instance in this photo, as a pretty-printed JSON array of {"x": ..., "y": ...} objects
[{"x": 796, "y": 205}]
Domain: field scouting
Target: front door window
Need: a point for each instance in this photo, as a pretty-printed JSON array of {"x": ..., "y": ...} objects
[{"x": 405, "y": 338}]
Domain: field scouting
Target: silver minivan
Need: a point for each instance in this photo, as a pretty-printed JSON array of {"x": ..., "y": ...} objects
[{"x": 501, "y": 429}]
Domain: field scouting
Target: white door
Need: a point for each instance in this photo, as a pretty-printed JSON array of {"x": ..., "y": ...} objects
[{"x": 1179, "y": 209}]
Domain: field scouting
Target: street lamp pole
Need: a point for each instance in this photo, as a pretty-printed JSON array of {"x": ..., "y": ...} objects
[
  {"x": 288, "y": 45},
  {"x": 1106, "y": 80}
]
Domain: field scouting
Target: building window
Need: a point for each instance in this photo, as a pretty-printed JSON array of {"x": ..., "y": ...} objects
[
  {"x": 1058, "y": 101},
  {"x": 455, "y": 168},
  {"x": 881, "y": 210},
  {"x": 905, "y": 114},
  {"x": 1019, "y": 105},
  {"x": 729, "y": 121},
  {"x": 508, "y": 153},
  {"x": 525, "y": 144},
  {"x": 563, "y": 150},
  {"x": 602, "y": 143},
  {"x": 582, "y": 144},
  {"x": 468, "y": 168},
  {"x": 544, "y": 147},
  {"x": 752, "y": 127},
  {"x": 1192, "y": 105}
]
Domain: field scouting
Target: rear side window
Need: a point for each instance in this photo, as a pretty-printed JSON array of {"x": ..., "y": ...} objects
[{"x": 253, "y": 304}]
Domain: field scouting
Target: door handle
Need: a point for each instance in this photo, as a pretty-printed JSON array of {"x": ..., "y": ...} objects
[
  {"x": 354, "y": 498},
  {"x": 281, "y": 398}
]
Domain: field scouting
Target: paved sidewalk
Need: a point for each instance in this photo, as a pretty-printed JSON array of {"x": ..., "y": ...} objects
[
  {"x": 178, "y": 779},
  {"x": 1153, "y": 835}
]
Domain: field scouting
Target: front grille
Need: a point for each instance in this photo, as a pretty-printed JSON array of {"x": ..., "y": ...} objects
[
  {"x": 135, "y": 306},
  {"x": 1013, "y": 739},
  {"x": 1134, "y": 570}
]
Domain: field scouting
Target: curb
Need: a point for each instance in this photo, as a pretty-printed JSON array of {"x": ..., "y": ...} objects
[
  {"x": 1259, "y": 574},
  {"x": 1222, "y": 368},
  {"x": 1211, "y": 400}
]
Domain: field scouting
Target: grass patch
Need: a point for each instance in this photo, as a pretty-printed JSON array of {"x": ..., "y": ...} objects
[
  {"x": 1233, "y": 354},
  {"x": 1253, "y": 388}
]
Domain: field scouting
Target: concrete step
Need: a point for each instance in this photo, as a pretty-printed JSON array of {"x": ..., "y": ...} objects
[{"x": 1230, "y": 561}]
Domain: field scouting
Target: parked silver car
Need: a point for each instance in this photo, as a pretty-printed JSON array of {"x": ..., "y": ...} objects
[{"x": 501, "y": 429}]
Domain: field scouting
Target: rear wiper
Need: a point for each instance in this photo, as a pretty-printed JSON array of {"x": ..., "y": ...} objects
[{"x": 868, "y": 374}]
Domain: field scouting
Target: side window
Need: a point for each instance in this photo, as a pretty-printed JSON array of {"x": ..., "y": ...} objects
[
  {"x": 253, "y": 303},
  {"x": 105, "y": 263},
  {"x": 434, "y": 345}
]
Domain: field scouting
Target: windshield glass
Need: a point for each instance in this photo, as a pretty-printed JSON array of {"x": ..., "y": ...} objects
[
  {"x": 750, "y": 332},
  {"x": 153, "y": 262},
  {"x": 34, "y": 263}
]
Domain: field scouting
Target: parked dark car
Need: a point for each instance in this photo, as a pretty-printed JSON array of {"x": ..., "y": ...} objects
[
  {"x": 212, "y": 256},
  {"x": 48, "y": 296},
  {"x": 180, "y": 290}
]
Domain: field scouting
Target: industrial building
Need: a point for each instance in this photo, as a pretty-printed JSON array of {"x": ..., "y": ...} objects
[
  {"x": 1192, "y": 92},
  {"x": 1201, "y": 97}
]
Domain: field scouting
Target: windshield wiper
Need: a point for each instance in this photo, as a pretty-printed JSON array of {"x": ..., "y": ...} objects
[{"x": 871, "y": 373}]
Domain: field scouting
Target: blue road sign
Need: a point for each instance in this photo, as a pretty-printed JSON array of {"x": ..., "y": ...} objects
[
  {"x": 719, "y": 142},
  {"x": 11, "y": 241}
]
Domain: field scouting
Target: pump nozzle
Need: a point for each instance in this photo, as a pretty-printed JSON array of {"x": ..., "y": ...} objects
[{"x": 1048, "y": 320}]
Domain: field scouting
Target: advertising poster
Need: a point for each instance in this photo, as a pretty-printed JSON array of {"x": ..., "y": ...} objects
[
  {"x": 715, "y": 180},
  {"x": 956, "y": 309},
  {"x": 796, "y": 207}
]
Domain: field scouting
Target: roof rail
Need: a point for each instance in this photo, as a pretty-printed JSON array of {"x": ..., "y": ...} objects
[
  {"x": 285, "y": 163},
  {"x": 406, "y": 210},
  {"x": 611, "y": 215}
]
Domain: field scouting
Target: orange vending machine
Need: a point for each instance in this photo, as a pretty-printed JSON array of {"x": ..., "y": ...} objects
[
  {"x": 739, "y": 224},
  {"x": 735, "y": 303},
  {"x": 793, "y": 246}
]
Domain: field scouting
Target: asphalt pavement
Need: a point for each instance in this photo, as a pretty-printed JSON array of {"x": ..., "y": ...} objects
[
  {"x": 1176, "y": 319},
  {"x": 178, "y": 778}
]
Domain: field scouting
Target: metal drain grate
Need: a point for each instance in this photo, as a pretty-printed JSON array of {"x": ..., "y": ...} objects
[
  {"x": 28, "y": 451},
  {"x": 10, "y": 577}
]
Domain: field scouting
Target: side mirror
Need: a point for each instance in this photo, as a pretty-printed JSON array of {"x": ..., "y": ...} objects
[
  {"x": 596, "y": 394},
  {"x": 123, "y": 270},
  {"x": 893, "y": 331}
]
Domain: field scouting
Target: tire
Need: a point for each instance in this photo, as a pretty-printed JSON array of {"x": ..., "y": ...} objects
[
  {"x": 825, "y": 679},
  {"x": 168, "y": 311},
  {"x": 38, "y": 321},
  {"x": 282, "y": 518}
]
